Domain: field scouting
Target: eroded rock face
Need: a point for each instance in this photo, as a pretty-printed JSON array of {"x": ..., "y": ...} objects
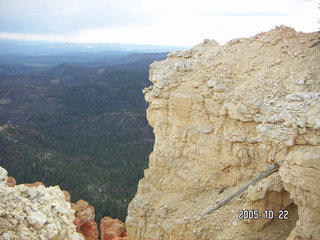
[
  {"x": 34, "y": 212},
  {"x": 84, "y": 219},
  {"x": 112, "y": 229},
  {"x": 300, "y": 174},
  {"x": 221, "y": 116}
]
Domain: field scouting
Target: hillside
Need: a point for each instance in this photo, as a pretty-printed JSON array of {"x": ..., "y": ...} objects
[{"x": 82, "y": 128}]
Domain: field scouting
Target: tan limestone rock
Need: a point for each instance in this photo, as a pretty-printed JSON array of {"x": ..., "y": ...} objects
[
  {"x": 221, "y": 116},
  {"x": 33, "y": 213},
  {"x": 301, "y": 177}
]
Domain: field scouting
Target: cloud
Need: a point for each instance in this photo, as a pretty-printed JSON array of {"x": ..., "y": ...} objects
[
  {"x": 192, "y": 21},
  {"x": 34, "y": 37},
  {"x": 170, "y": 22},
  {"x": 65, "y": 16},
  {"x": 218, "y": 7}
]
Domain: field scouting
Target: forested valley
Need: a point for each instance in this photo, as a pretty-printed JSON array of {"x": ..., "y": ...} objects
[{"x": 80, "y": 126}]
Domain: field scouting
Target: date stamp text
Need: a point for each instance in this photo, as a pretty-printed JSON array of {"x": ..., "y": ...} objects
[{"x": 266, "y": 214}]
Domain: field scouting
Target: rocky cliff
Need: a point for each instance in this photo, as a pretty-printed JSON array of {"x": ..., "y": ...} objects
[
  {"x": 221, "y": 116},
  {"x": 34, "y": 212}
]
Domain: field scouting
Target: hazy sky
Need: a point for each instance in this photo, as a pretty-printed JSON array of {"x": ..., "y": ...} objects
[{"x": 166, "y": 22}]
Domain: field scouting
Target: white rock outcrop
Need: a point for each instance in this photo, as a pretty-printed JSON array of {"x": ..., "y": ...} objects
[
  {"x": 34, "y": 213},
  {"x": 221, "y": 116}
]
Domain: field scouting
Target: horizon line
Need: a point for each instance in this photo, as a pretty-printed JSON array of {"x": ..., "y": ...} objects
[{"x": 84, "y": 43}]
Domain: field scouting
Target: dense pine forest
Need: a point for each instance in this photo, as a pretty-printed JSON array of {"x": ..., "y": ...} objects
[{"x": 80, "y": 127}]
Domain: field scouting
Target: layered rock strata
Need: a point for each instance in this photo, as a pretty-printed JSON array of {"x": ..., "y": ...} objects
[
  {"x": 221, "y": 116},
  {"x": 34, "y": 212}
]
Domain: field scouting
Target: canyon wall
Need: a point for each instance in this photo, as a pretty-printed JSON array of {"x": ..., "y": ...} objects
[{"x": 221, "y": 116}]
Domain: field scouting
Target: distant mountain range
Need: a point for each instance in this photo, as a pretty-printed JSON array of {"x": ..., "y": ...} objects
[
  {"x": 44, "y": 65},
  {"x": 30, "y": 57},
  {"x": 39, "y": 48}
]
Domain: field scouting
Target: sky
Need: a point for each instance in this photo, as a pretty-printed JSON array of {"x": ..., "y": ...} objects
[{"x": 158, "y": 22}]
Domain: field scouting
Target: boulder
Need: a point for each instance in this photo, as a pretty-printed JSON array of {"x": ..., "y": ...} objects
[
  {"x": 84, "y": 220},
  {"x": 34, "y": 212},
  {"x": 112, "y": 229}
]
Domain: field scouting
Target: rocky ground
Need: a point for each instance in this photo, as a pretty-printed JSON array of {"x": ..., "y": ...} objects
[
  {"x": 221, "y": 116},
  {"x": 33, "y": 212}
]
